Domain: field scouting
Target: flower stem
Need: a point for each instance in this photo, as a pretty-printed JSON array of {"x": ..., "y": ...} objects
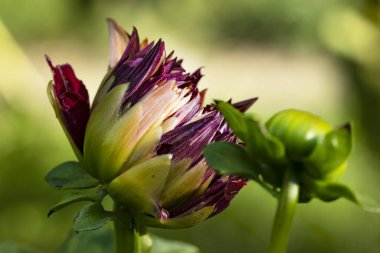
[
  {"x": 127, "y": 233},
  {"x": 286, "y": 207}
]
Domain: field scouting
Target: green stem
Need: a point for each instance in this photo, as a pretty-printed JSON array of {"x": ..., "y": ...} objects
[
  {"x": 287, "y": 203},
  {"x": 127, "y": 233}
]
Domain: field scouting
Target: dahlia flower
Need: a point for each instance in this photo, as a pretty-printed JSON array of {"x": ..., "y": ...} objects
[{"x": 142, "y": 136}]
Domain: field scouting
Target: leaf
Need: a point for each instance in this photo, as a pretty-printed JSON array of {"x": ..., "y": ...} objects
[
  {"x": 70, "y": 199},
  {"x": 8, "y": 247},
  {"x": 235, "y": 119},
  {"x": 161, "y": 245},
  {"x": 91, "y": 217},
  {"x": 70, "y": 175},
  {"x": 229, "y": 158},
  {"x": 103, "y": 240},
  {"x": 254, "y": 134},
  {"x": 261, "y": 144},
  {"x": 98, "y": 241},
  {"x": 330, "y": 152},
  {"x": 328, "y": 191}
]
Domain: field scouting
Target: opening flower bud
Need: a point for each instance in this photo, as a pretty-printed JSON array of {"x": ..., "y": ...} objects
[{"x": 144, "y": 133}]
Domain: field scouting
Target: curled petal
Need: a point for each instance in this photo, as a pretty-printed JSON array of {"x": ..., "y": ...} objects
[{"x": 71, "y": 102}]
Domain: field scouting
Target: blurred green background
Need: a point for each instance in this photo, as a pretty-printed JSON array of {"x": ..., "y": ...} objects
[{"x": 321, "y": 56}]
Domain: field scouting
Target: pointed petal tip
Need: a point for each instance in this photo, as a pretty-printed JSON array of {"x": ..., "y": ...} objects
[
  {"x": 244, "y": 105},
  {"x": 111, "y": 20},
  {"x": 49, "y": 62},
  {"x": 114, "y": 25},
  {"x": 347, "y": 126}
]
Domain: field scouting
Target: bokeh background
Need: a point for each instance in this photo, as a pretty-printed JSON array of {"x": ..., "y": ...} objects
[{"x": 322, "y": 56}]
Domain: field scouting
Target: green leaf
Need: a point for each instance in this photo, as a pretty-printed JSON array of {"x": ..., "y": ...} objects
[
  {"x": 161, "y": 245},
  {"x": 103, "y": 240},
  {"x": 73, "y": 197},
  {"x": 8, "y": 247},
  {"x": 235, "y": 119},
  {"x": 328, "y": 191},
  {"x": 99, "y": 241},
  {"x": 330, "y": 152},
  {"x": 91, "y": 217},
  {"x": 70, "y": 175},
  {"x": 229, "y": 158},
  {"x": 258, "y": 140},
  {"x": 261, "y": 144}
]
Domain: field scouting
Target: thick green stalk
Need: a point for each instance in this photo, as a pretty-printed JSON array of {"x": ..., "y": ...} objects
[
  {"x": 127, "y": 233},
  {"x": 287, "y": 203},
  {"x": 127, "y": 238}
]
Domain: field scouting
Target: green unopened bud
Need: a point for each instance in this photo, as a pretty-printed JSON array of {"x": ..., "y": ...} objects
[
  {"x": 311, "y": 141},
  {"x": 328, "y": 159},
  {"x": 298, "y": 130}
]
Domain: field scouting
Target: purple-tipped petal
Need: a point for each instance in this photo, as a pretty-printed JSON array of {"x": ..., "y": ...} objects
[
  {"x": 137, "y": 72},
  {"x": 72, "y": 100},
  {"x": 132, "y": 48},
  {"x": 190, "y": 110},
  {"x": 218, "y": 195},
  {"x": 245, "y": 105},
  {"x": 187, "y": 141}
]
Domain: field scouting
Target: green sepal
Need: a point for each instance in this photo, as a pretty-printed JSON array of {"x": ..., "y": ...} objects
[
  {"x": 119, "y": 142},
  {"x": 70, "y": 175},
  {"x": 182, "y": 187},
  {"x": 103, "y": 116},
  {"x": 139, "y": 188},
  {"x": 330, "y": 152},
  {"x": 184, "y": 221},
  {"x": 92, "y": 217},
  {"x": 104, "y": 88},
  {"x": 145, "y": 148},
  {"x": 330, "y": 191}
]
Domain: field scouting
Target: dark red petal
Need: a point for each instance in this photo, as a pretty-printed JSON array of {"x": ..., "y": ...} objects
[
  {"x": 222, "y": 200},
  {"x": 73, "y": 103}
]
